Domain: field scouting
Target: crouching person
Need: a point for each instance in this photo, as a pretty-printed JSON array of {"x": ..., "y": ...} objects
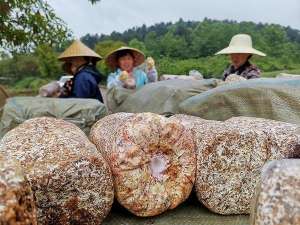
[{"x": 80, "y": 61}]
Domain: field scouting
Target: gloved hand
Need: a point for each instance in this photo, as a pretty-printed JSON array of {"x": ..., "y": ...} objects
[
  {"x": 130, "y": 83},
  {"x": 124, "y": 76}
]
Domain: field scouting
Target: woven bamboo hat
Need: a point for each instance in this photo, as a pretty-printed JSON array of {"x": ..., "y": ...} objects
[
  {"x": 112, "y": 58},
  {"x": 77, "y": 48},
  {"x": 241, "y": 43}
]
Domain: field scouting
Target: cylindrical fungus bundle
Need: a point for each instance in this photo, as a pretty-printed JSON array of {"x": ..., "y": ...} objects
[
  {"x": 152, "y": 159},
  {"x": 71, "y": 181}
]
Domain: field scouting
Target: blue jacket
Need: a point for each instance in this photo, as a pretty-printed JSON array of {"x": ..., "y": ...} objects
[{"x": 85, "y": 84}]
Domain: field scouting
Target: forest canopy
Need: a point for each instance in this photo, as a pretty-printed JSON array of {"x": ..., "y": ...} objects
[{"x": 177, "y": 48}]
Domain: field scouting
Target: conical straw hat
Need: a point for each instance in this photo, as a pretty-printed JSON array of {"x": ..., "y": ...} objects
[
  {"x": 241, "y": 43},
  {"x": 112, "y": 61},
  {"x": 77, "y": 48}
]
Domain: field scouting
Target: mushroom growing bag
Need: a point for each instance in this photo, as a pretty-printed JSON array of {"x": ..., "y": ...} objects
[{"x": 152, "y": 159}]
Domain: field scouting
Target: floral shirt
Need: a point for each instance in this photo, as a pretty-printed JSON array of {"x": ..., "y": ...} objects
[{"x": 248, "y": 71}]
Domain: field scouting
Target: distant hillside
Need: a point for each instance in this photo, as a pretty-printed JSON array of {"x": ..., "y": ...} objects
[{"x": 192, "y": 39}]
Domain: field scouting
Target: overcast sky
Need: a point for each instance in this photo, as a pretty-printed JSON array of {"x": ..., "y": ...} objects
[{"x": 119, "y": 15}]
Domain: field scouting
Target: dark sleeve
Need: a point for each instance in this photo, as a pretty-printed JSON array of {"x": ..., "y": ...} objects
[{"x": 85, "y": 86}]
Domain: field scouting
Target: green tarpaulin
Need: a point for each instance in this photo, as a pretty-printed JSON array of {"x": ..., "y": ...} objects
[
  {"x": 161, "y": 97},
  {"x": 270, "y": 98},
  {"x": 82, "y": 112}
]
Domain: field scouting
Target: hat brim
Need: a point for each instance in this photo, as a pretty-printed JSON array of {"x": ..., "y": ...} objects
[
  {"x": 235, "y": 50},
  {"x": 78, "y": 49},
  {"x": 66, "y": 58},
  {"x": 112, "y": 61}
]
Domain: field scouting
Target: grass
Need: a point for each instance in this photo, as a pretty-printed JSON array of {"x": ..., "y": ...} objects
[{"x": 275, "y": 73}]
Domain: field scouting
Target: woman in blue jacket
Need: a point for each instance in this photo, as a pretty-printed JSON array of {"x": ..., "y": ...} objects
[
  {"x": 123, "y": 62},
  {"x": 80, "y": 61}
]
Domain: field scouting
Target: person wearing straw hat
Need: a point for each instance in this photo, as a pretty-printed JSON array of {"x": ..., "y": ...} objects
[
  {"x": 240, "y": 51},
  {"x": 80, "y": 61},
  {"x": 123, "y": 61}
]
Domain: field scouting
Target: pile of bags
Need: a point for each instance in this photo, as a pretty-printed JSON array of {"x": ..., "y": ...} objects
[
  {"x": 161, "y": 97},
  {"x": 81, "y": 112},
  {"x": 151, "y": 163},
  {"x": 270, "y": 98}
]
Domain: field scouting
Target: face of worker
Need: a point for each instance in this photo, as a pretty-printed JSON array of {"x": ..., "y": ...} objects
[
  {"x": 239, "y": 59},
  {"x": 76, "y": 62},
  {"x": 126, "y": 63}
]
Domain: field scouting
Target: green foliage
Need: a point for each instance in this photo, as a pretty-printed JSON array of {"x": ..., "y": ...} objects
[
  {"x": 30, "y": 83},
  {"x": 214, "y": 66},
  {"x": 135, "y": 43},
  {"x": 48, "y": 65},
  {"x": 275, "y": 73},
  {"x": 30, "y": 71},
  {"x": 208, "y": 66},
  {"x": 183, "y": 40},
  {"x": 17, "y": 68},
  {"x": 105, "y": 47},
  {"x": 28, "y": 23},
  {"x": 177, "y": 49}
]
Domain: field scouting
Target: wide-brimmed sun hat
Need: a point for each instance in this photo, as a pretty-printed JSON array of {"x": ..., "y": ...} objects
[
  {"x": 241, "y": 43},
  {"x": 112, "y": 58},
  {"x": 76, "y": 49}
]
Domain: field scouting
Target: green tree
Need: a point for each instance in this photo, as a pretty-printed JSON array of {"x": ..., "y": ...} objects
[
  {"x": 48, "y": 65},
  {"x": 135, "y": 43},
  {"x": 18, "y": 67},
  {"x": 28, "y": 23},
  {"x": 173, "y": 46},
  {"x": 105, "y": 47},
  {"x": 152, "y": 45}
]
